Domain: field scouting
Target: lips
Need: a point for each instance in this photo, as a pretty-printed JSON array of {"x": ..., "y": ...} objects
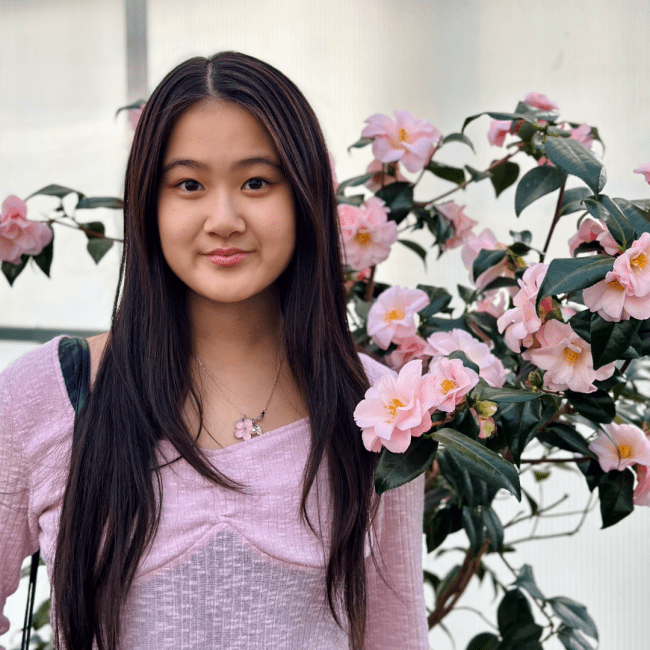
[{"x": 227, "y": 256}]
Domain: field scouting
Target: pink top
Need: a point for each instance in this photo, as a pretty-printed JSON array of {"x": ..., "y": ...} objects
[{"x": 226, "y": 570}]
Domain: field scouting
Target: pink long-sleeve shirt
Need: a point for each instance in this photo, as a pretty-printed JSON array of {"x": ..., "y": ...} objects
[{"x": 226, "y": 570}]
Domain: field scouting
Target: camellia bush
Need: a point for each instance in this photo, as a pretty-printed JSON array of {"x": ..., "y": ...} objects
[{"x": 545, "y": 366}]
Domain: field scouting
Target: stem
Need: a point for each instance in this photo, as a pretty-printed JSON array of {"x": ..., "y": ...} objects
[
  {"x": 556, "y": 218},
  {"x": 92, "y": 233},
  {"x": 371, "y": 284},
  {"x": 537, "y": 461}
]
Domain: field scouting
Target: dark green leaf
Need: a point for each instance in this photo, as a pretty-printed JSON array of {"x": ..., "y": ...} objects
[
  {"x": 437, "y": 527},
  {"x": 520, "y": 422},
  {"x": 615, "y": 491},
  {"x": 439, "y": 298},
  {"x": 446, "y": 172},
  {"x": 473, "y": 525},
  {"x": 597, "y": 407},
  {"x": 468, "y": 363},
  {"x": 536, "y": 183},
  {"x": 42, "y": 615},
  {"x": 44, "y": 258},
  {"x": 581, "y": 324},
  {"x": 484, "y": 392},
  {"x": 93, "y": 227},
  {"x": 55, "y": 190},
  {"x": 609, "y": 340},
  {"x": 493, "y": 527},
  {"x": 484, "y": 641},
  {"x": 642, "y": 204},
  {"x": 394, "y": 470},
  {"x": 486, "y": 259},
  {"x": 519, "y": 248},
  {"x": 524, "y": 236},
  {"x": 363, "y": 142},
  {"x": 398, "y": 198},
  {"x": 513, "y": 612},
  {"x": 467, "y": 295},
  {"x": 355, "y": 200},
  {"x": 480, "y": 461},
  {"x": 572, "y": 639},
  {"x": 572, "y": 157},
  {"x": 617, "y": 223},
  {"x": 499, "y": 283},
  {"x": 457, "y": 476},
  {"x": 477, "y": 175},
  {"x": 416, "y": 248},
  {"x": 534, "y": 507},
  {"x": 563, "y": 436},
  {"x": 459, "y": 137},
  {"x": 573, "y": 274},
  {"x": 504, "y": 175},
  {"x": 353, "y": 182},
  {"x": 98, "y": 248},
  {"x": 100, "y": 202},
  {"x": 639, "y": 219},
  {"x": 12, "y": 271},
  {"x": 526, "y": 580},
  {"x": 574, "y": 615}
]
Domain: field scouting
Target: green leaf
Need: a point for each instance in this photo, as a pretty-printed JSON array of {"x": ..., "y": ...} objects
[
  {"x": 519, "y": 248},
  {"x": 573, "y": 274},
  {"x": 487, "y": 259},
  {"x": 493, "y": 527},
  {"x": 617, "y": 223},
  {"x": 12, "y": 271},
  {"x": 609, "y": 340},
  {"x": 459, "y": 137},
  {"x": 572, "y": 201},
  {"x": 572, "y": 157},
  {"x": 363, "y": 142},
  {"x": 394, "y": 470},
  {"x": 536, "y": 183},
  {"x": 398, "y": 198},
  {"x": 484, "y": 641},
  {"x": 597, "y": 407},
  {"x": 55, "y": 190},
  {"x": 98, "y": 248},
  {"x": 437, "y": 528},
  {"x": 513, "y": 612},
  {"x": 467, "y": 295},
  {"x": 42, "y": 615},
  {"x": 534, "y": 507},
  {"x": 44, "y": 258},
  {"x": 457, "y": 476},
  {"x": 100, "y": 202},
  {"x": 468, "y": 363},
  {"x": 524, "y": 236},
  {"x": 480, "y": 461},
  {"x": 574, "y": 615},
  {"x": 565, "y": 437},
  {"x": 504, "y": 175},
  {"x": 477, "y": 175},
  {"x": 93, "y": 227},
  {"x": 639, "y": 219},
  {"x": 416, "y": 248},
  {"x": 439, "y": 299},
  {"x": 473, "y": 525},
  {"x": 615, "y": 491},
  {"x": 525, "y": 580},
  {"x": 572, "y": 639},
  {"x": 520, "y": 421},
  {"x": 446, "y": 172},
  {"x": 483, "y": 391},
  {"x": 500, "y": 283}
]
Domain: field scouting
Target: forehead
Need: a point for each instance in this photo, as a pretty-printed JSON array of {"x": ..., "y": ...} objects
[{"x": 218, "y": 131}]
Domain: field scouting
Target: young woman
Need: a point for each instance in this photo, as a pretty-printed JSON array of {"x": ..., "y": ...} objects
[{"x": 217, "y": 494}]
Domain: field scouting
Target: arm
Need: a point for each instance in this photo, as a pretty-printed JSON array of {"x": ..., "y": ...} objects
[{"x": 396, "y": 620}]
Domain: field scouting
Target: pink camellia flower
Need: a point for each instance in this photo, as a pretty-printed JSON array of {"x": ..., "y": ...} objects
[
  {"x": 498, "y": 131},
  {"x": 448, "y": 382},
  {"x": 409, "y": 348},
  {"x": 367, "y": 233},
  {"x": 18, "y": 235},
  {"x": 474, "y": 244},
  {"x": 392, "y": 316},
  {"x": 459, "y": 220},
  {"x": 407, "y": 139},
  {"x": 538, "y": 100},
  {"x": 642, "y": 491},
  {"x": 614, "y": 300},
  {"x": 494, "y": 303},
  {"x": 490, "y": 367},
  {"x": 567, "y": 359},
  {"x": 645, "y": 170},
  {"x": 624, "y": 446},
  {"x": 583, "y": 135},
  {"x": 395, "y": 409},
  {"x": 633, "y": 266},
  {"x": 592, "y": 230},
  {"x": 522, "y": 321},
  {"x": 382, "y": 178}
]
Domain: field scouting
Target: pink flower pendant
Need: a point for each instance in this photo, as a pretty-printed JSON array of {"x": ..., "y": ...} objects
[{"x": 246, "y": 428}]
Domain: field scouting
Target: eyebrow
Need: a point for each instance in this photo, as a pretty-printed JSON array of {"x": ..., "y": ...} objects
[{"x": 240, "y": 164}]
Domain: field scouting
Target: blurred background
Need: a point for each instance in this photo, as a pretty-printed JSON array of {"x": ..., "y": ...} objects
[{"x": 66, "y": 66}]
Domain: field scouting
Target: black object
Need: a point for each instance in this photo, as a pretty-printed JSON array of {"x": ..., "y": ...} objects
[{"x": 74, "y": 358}]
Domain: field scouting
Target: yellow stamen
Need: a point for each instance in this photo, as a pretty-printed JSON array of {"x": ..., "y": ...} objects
[
  {"x": 392, "y": 408},
  {"x": 615, "y": 284},
  {"x": 446, "y": 385},
  {"x": 363, "y": 238},
  {"x": 395, "y": 314},
  {"x": 571, "y": 356},
  {"x": 624, "y": 451},
  {"x": 639, "y": 261},
  {"x": 403, "y": 135}
]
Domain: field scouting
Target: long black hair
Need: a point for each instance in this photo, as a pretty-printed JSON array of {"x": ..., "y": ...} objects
[{"x": 110, "y": 509}]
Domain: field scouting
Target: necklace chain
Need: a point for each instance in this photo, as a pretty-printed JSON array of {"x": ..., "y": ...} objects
[{"x": 246, "y": 427}]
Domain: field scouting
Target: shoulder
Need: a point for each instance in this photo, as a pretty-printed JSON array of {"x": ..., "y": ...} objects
[
  {"x": 96, "y": 345},
  {"x": 374, "y": 369}
]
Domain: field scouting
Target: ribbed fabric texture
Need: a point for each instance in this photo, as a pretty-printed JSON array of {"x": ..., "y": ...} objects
[{"x": 226, "y": 570}]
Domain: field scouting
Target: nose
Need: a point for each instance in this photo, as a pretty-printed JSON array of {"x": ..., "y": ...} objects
[{"x": 223, "y": 215}]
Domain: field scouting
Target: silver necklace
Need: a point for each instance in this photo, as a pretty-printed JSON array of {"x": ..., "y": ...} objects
[{"x": 245, "y": 427}]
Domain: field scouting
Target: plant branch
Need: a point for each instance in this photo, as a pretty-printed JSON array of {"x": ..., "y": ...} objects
[
  {"x": 538, "y": 461},
  {"x": 371, "y": 284},
  {"x": 556, "y": 218},
  {"x": 91, "y": 233}
]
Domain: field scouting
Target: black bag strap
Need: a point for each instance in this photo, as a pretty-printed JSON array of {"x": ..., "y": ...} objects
[{"x": 74, "y": 358}]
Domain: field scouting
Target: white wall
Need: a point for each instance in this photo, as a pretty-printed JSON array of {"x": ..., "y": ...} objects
[{"x": 62, "y": 76}]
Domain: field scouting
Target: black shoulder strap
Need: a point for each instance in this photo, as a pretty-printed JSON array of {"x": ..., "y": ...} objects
[{"x": 74, "y": 357}]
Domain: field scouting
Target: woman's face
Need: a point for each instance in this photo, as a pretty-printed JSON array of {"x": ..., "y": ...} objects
[{"x": 226, "y": 214}]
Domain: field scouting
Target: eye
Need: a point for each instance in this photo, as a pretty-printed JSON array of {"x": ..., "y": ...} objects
[
  {"x": 189, "y": 185},
  {"x": 256, "y": 184}
]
